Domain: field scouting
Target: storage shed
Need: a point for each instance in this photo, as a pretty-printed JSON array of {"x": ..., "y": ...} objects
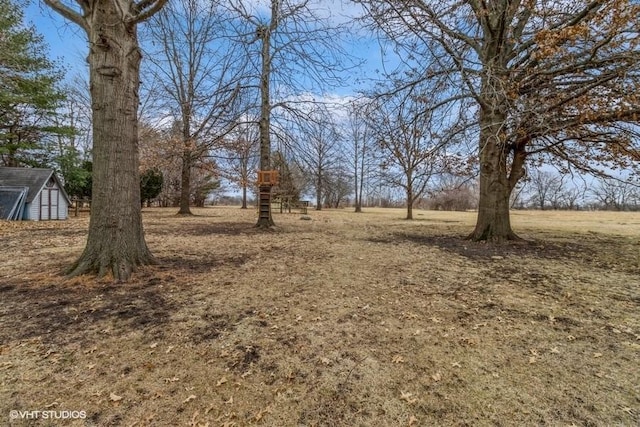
[{"x": 32, "y": 194}]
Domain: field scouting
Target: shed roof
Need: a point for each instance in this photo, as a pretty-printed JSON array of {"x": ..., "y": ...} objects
[
  {"x": 12, "y": 201},
  {"x": 33, "y": 178}
]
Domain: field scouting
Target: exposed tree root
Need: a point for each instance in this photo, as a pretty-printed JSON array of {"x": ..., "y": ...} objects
[
  {"x": 119, "y": 266},
  {"x": 488, "y": 235},
  {"x": 265, "y": 224}
]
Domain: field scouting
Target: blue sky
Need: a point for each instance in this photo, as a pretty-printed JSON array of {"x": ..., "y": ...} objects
[{"x": 66, "y": 42}]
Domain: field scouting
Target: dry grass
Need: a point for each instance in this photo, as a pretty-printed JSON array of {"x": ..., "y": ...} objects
[{"x": 344, "y": 320}]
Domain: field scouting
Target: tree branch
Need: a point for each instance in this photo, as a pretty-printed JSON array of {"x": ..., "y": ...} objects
[
  {"x": 146, "y": 9},
  {"x": 68, "y": 13}
]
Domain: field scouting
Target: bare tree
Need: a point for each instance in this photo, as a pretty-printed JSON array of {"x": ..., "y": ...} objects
[
  {"x": 549, "y": 80},
  {"x": 614, "y": 194},
  {"x": 200, "y": 74},
  {"x": 361, "y": 146},
  {"x": 452, "y": 192},
  {"x": 337, "y": 187},
  {"x": 317, "y": 147},
  {"x": 544, "y": 187},
  {"x": 410, "y": 152},
  {"x": 115, "y": 242},
  {"x": 299, "y": 52},
  {"x": 240, "y": 157}
]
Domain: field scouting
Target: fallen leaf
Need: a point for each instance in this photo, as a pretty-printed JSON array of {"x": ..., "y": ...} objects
[
  {"x": 221, "y": 381},
  {"x": 229, "y": 402},
  {"x": 532, "y": 360},
  {"x": 114, "y": 397},
  {"x": 154, "y": 345},
  {"x": 325, "y": 361},
  {"x": 412, "y": 420},
  {"x": 189, "y": 399},
  {"x": 397, "y": 359},
  {"x": 596, "y": 355},
  {"x": 407, "y": 396},
  {"x": 555, "y": 350},
  {"x": 194, "y": 418},
  {"x": 456, "y": 365},
  {"x": 437, "y": 376},
  {"x": 260, "y": 414},
  {"x": 171, "y": 347}
]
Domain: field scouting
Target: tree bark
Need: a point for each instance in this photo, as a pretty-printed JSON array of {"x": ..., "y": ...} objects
[
  {"x": 265, "y": 220},
  {"x": 493, "y": 222},
  {"x": 115, "y": 242},
  {"x": 409, "y": 203},
  {"x": 185, "y": 184},
  {"x": 244, "y": 196},
  {"x": 319, "y": 190}
]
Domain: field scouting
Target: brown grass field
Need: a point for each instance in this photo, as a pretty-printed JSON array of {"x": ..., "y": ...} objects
[{"x": 344, "y": 320}]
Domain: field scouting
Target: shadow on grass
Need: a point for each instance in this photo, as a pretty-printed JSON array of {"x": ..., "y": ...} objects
[
  {"x": 488, "y": 250},
  {"x": 65, "y": 312}
]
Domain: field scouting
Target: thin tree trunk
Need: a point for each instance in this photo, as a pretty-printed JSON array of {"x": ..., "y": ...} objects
[
  {"x": 115, "y": 242},
  {"x": 244, "y": 195},
  {"x": 358, "y": 186},
  {"x": 185, "y": 184},
  {"x": 319, "y": 192},
  {"x": 409, "y": 203}
]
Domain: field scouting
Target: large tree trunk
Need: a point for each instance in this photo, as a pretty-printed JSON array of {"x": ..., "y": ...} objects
[
  {"x": 493, "y": 222},
  {"x": 185, "y": 184},
  {"x": 115, "y": 241}
]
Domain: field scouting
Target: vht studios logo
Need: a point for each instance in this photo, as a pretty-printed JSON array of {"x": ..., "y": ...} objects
[{"x": 47, "y": 415}]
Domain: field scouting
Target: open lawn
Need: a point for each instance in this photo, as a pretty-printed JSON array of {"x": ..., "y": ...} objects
[{"x": 344, "y": 320}]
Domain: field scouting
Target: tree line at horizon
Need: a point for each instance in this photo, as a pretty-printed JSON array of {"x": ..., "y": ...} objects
[{"x": 492, "y": 91}]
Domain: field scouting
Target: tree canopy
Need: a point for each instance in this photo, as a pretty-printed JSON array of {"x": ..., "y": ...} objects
[{"x": 29, "y": 92}]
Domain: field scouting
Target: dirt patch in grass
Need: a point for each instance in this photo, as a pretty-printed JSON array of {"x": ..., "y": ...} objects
[{"x": 344, "y": 320}]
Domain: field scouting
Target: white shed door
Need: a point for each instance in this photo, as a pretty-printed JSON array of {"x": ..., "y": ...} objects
[
  {"x": 49, "y": 203},
  {"x": 53, "y": 203}
]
